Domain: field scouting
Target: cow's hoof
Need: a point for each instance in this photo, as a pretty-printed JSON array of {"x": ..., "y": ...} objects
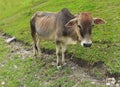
[
  {"x": 40, "y": 54},
  {"x": 64, "y": 64},
  {"x": 59, "y": 67},
  {"x": 34, "y": 55}
]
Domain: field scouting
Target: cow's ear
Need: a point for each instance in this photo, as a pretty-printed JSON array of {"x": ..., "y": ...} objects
[
  {"x": 98, "y": 21},
  {"x": 71, "y": 22}
]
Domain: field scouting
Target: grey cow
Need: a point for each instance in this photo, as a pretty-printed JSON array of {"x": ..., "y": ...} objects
[{"x": 64, "y": 28}]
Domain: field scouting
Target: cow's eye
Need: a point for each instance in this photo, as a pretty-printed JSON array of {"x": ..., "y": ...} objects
[{"x": 79, "y": 27}]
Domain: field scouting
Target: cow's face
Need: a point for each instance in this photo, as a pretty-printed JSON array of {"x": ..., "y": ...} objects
[
  {"x": 83, "y": 24},
  {"x": 84, "y": 27}
]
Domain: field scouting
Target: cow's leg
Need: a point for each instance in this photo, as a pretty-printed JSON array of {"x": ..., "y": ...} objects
[
  {"x": 34, "y": 50},
  {"x": 63, "y": 54},
  {"x": 34, "y": 46},
  {"x": 33, "y": 34},
  {"x": 38, "y": 46},
  {"x": 58, "y": 55}
]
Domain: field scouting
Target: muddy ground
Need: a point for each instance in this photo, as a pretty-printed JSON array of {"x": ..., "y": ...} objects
[{"x": 81, "y": 69}]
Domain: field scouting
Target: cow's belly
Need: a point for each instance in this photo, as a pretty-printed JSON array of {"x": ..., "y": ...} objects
[
  {"x": 46, "y": 35},
  {"x": 45, "y": 27}
]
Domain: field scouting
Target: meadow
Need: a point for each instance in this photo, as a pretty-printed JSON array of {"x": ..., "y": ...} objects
[{"x": 15, "y": 16}]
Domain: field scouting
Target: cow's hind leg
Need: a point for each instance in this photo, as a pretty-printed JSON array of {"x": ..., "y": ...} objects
[
  {"x": 33, "y": 34},
  {"x": 38, "y": 46},
  {"x": 35, "y": 49}
]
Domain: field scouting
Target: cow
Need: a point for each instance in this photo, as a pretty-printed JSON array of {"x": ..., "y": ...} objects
[{"x": 64, "y": 28}]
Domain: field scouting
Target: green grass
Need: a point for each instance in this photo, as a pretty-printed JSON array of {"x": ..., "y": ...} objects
[
  {"x": 106, "y": 43},
  {"x": 30, "y": 72},
  {"x": 15, "y": 71}
]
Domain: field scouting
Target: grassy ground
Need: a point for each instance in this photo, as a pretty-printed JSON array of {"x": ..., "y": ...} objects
[
  {"x": 19, "y": 69},
  {"x": 15, "y": 22},
  {"x": 16, "y": 71}
]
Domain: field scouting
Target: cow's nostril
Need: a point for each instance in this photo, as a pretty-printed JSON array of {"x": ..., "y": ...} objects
[{"x": 87, "y": 45}]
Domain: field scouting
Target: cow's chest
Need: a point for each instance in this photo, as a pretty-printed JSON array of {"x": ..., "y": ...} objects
[{"x": 69, "y": 40}]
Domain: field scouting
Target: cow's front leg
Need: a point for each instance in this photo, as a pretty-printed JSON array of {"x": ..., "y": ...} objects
[
  {"x": 58, "y": 56},
  {"x": 63, "y": 54}
]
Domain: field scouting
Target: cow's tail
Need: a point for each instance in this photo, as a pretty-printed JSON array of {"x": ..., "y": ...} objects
[{"x": 33, "y": 33}]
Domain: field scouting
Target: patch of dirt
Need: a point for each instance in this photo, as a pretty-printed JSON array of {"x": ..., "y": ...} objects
[{"x": 81, "y": 70}]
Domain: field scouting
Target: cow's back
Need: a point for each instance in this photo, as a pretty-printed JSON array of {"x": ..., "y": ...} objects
[{"x": 50, "y": 25}]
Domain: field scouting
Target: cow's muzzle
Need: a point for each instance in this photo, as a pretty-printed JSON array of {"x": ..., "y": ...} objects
[{"x": 86, "y": 43}]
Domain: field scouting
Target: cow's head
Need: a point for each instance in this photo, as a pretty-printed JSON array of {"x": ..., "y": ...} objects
[{"x": 83, "y": 24}]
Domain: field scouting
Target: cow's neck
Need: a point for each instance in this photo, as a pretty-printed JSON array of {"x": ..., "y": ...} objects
[{"x": 72, "y": 33}]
